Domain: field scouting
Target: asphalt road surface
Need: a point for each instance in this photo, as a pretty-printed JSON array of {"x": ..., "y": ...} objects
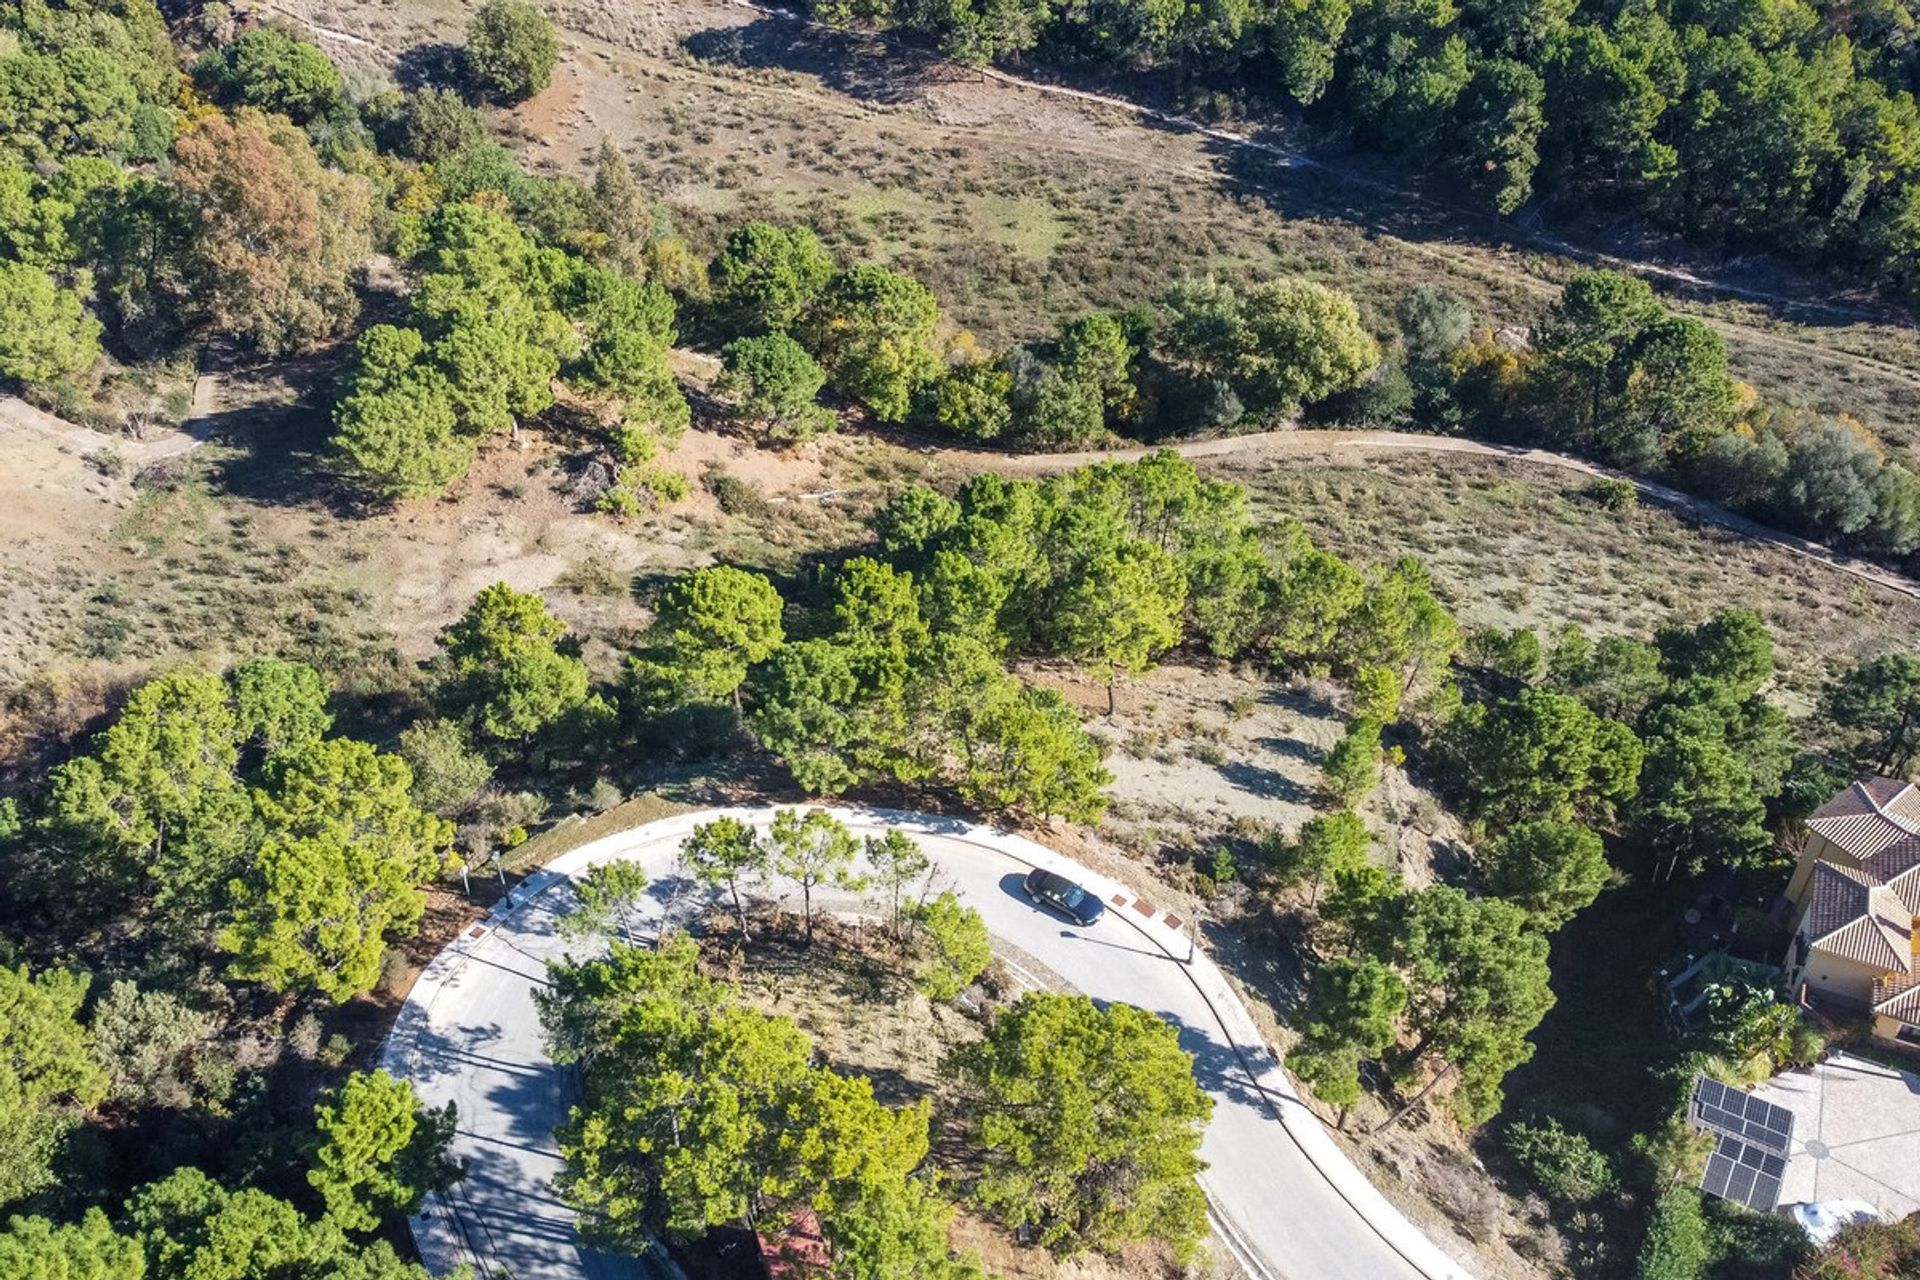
[{"x": 1285, "y": 1201}]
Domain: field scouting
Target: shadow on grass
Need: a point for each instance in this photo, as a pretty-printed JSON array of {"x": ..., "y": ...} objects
[{"x": 861, "y": 66}]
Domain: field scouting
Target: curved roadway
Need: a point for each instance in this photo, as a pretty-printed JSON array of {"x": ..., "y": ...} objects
[{"x": 1285, "y": 1200}]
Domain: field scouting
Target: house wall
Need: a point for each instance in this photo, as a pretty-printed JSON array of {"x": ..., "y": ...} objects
[
  {"x": 1890, "y": 1029},
  {"x": 1833, "y": 977}
]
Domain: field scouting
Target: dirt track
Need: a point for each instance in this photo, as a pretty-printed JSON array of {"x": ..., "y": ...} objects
[{"x": 1305, "y": 443}]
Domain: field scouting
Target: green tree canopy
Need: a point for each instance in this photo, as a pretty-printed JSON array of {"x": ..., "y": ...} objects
[
  {"x": 1279, "y": 344},
  {"x": 727, "y": 853},
  {"x": 1325, "y": 846},
  {"x": 1621, "y": 377},
  {"x": 48, "y": 1078},
  {"x": 1122, "y": 610},
  {"x": 1090, "y": 1119},
  {"x": 1732, "y": 650},
  {"x": 1478, "y": 984},
  {"x": 192, "y": 1228},
  {"x": 35, "y": 1249},
  {"x": 273, "y": 69},
  {"x": 813, "y": 849},
  {"x": 511, "y": 669},
  {"x": 1351, "y": 768},
  {"x": 1352, "y": 1015},
  {"x": 1542, "y": 756},
  {"x": 766, "y": 277},
  {"x": 712, "y": 625},
  {"x": 806, "y": 712},
  {"x": 955, "y": 945},
  {"x": 512, "y": 48},
  {"x": 697, "y": 1111},
  {"x": 378, "y": 1150},
  {"x": 279, "y": 705},
  {"x": 605, "y": 899},
  {"x": 1677, "y": 1244},
  {"x": 46, "y": 332},
  {"x": 158, "y": 801},
  {"x": 895, "y": 861},
  {"x": 447, "y": 771},
  {"x": 971, "y": 399},
  {"x": 343, "y": 855},
  {"x": 1698, "y": 800},
  {"x": 396, "y": 430},
  {"x": 872, "y": 328},
  {"x": 775, "y": 382},
  {"x": 1550, "y": 870},
  {"x": 1877, "y": 704}
]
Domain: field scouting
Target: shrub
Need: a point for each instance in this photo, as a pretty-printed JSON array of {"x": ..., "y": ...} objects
[
  {"x": 512, "y": 49},
  {"x": 736, "y": 497},
  {"x": 1561, "y": 1163},
  {"x": 448, "y": 771},
  {"x": 432, "y": 125},
  {"x": 1615, "y": 494},
  {"x": 1351, "y": 769},
  {"x": 1676, "y": 1246},
  {"x": 956, "y": 947}
]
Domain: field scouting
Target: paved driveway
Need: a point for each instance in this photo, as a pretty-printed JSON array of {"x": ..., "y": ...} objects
[
  {"x": 1856, "y": 1134},
  {"x": 1284, "y": 1199}
]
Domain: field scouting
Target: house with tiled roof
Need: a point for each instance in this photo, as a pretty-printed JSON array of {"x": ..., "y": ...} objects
[{"x": 1855, "y": 906}]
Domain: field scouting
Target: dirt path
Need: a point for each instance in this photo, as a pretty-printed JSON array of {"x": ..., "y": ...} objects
[
  {"x": 1298, "y": 159},
  {"x": 1254, "y": 448},
  {"x": 16, "y": 414},
  {"x": 1755, "y": 335}
]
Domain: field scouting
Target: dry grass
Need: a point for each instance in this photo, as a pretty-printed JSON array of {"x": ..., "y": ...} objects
[
  {"x": 1512, "y": 544},
  {"x": 1020, "y": 208}
]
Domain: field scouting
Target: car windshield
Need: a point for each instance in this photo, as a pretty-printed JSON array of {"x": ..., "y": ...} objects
[{"x": 1070, "y": 896}]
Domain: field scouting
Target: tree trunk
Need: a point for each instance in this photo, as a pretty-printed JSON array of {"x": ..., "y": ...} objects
[
  {"x": 1414, "y": 1101},
  {"x": 739, "y": 909},
  {"x": 806, "y": 908},
  {"x": 1111, "y": 681}
]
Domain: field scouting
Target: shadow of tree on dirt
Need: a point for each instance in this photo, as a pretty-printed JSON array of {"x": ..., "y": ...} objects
[{"x": 861, "y": 66}]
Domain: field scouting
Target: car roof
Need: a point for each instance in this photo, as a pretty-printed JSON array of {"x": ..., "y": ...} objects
[{"x": 1050, "y": 879}]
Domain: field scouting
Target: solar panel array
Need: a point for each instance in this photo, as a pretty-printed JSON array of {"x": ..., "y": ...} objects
[
  {"x": 1736, "y": 1113},
  {"x": 1742, "y": 1172},
  {"x": 1754, "y": 1136}
]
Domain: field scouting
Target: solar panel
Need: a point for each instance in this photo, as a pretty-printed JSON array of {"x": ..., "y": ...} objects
[
  {"x": 1733, "y": 1113},
  {"x": 1744, "y": 1173},
  {"x": 1753, "y": 1137}
]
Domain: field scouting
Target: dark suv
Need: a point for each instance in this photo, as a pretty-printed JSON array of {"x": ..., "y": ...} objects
[{"x": 1064, "y": 896}]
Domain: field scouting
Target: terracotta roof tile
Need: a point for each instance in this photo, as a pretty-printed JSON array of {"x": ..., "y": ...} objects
[
  {"x": 1869, "y": 815},
  {"x": 1867, "y": 795},
  {"x": 1860, "y": 834},
  {"x": 1898, "y": 996},
  {"x": 1851, "y": 916},
  {"x": 1898, "y": 867}
]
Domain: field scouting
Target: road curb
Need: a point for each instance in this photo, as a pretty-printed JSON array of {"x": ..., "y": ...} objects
[{"x": 440, "y": 1233}]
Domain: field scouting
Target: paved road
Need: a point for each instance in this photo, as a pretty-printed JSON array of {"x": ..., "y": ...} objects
[{"x": 1285, "y": 1199}]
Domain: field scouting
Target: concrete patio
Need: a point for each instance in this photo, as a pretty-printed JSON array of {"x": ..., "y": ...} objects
[{"x": 1856, "y": 1134}]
